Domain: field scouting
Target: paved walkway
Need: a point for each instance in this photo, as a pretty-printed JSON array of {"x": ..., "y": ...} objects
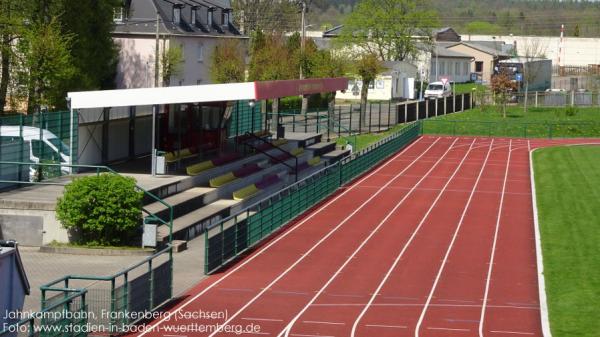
[{"x": 43, "y": 268}]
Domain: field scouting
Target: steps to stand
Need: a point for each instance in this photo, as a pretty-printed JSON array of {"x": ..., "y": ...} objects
[{"x": 203, "y": 200}]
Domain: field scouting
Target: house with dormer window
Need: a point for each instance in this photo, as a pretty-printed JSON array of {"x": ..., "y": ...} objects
[{"x": 196, "y": 26}]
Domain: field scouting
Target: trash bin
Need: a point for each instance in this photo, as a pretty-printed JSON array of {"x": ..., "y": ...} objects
[
  {"x": 149, "y": 235},
  {"x": 280, "y": 131}
]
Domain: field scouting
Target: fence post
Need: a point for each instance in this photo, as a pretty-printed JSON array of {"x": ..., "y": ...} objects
[
  {"x": 406, "y": 112},
  {"x": 370, "y": 115},
  {"x": 445, "y": 106},
  {"x": 379, "y": 123},
  {"x": 426, "y": 108},
  {"x": 536, "y": 99},
  {"x": 572, "y": 97},
  {"x": 436, "y": 107},
  {"x": 350, "y": 126},
  {"x": 462, "y": 102},
  {"x": 339, "y": 121},
  {"x": 389, "y": 113},
  {"x": 417, "y": 117}
]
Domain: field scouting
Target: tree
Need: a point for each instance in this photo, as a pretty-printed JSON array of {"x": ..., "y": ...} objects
[
  {"x": 46, "y": 63},
  {"x": 482, "y": 27},
  {"x": 171, "y": 61},
  {"x": 367, "y": 68},
  {"x": 101, "y": 210},
  {"x": 12, "y": 18},
  {"x": 533, "y": 52},
  {"x": 227, "y": 62},
  {"x": 386, "y": 28},
  {"x": 502, "y": 87}
]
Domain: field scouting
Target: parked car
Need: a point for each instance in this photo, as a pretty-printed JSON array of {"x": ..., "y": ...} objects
[
  {"x": 438, "y": 90},
  {"x": 38, "y": 146}
]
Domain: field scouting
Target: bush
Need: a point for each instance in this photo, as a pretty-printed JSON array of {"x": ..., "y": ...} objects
[
  {"x": 101, "y": 210},
  {"x": 571, "y": 111}
]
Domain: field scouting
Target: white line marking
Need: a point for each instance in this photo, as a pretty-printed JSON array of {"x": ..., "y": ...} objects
[
  {"x": 175, "y": 336},
  {"x": 386, "y": 326},
  {"x": 288, "y": 328},
  {"x": 300, "y": 335},
  {"x": 448, "y": 329},
  {"x": 262, "y": 319},
  {"x": 320, "y": 322},
  {"x": 513, "y": 332},
  {"x": 539, "y": 254},
  {"x": 323, "y": 239},
  {"x": 421, "y": 304},
  {"x": 451, "y": 245},
  {"x": 493, "y": 254},
  {"x": 279, "y": 238},
  {"x": 406, "y": 245}
]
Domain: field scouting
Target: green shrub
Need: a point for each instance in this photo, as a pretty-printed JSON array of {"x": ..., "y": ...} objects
[
  {"x": 101, "y": 210},
  {"x": 571, "y": 111}
]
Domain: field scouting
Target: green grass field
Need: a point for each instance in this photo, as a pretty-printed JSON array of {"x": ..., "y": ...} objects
[
  {"x": 568, "y": 196},
  {"x": 536, "y": 123},
  {"x": 367, "y": 139}
]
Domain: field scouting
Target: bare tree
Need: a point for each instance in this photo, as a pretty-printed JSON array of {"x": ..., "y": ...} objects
[
  {"x": 266, "y": 15},
  {"x": 534, "y": 51}
]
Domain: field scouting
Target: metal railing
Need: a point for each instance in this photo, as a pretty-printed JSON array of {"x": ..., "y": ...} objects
[
  {"x": 287, "y": 154},
  {"x": 235, "y": 234},
  {"x": 98, "y": 170},
  {"x": 67, "y": 317},
  {"x": 117, "y": 299}
]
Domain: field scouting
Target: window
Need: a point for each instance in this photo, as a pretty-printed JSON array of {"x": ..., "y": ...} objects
[
  {"x": 194, "y": 16},
  {"x": 118, "y": 14},
  {"x": 225, "y": 18},
  {"x": 479, "y": 66},
  {"x": 372, "y": 85},
  {"x": 176, "y": 15},
  {"x": 200, "y": 52}
]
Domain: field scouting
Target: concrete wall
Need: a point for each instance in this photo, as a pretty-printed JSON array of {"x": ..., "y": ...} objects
[
  {"x": 576, "y": 51},
  {"x": 31, "y": 227},
  {"x": 12, "y": 292},
  {"x": 487, "y": 59}
]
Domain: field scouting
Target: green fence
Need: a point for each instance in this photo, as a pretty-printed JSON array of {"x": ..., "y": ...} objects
[
  {"x": 234, "y": 235},
  {"x": 511, "y": 129},
  {"x": 117, "y": 301},
  {"x": 66, "y": 317},
  {"x": 245, "y": 118},
  {"x": 38, "y": 138}
]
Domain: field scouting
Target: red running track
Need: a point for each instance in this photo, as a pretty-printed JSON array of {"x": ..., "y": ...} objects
[{"x": 437, "y": 241}]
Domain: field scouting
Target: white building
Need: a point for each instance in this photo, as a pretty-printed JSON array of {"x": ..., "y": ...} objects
[
  {"x": 397, "y": 82},
  {"x": 195, "y": 26}
]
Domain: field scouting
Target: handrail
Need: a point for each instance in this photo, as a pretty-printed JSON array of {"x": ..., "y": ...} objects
[
  {"x": 98, "y": 168},
  {"x": 295, "y": 169},
  {"x": 325, "y": 124}
]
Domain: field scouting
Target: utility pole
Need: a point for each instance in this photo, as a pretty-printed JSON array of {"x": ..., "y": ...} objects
[
  {"x": 304, "y": 106},
  {"x": 157, "y": 51}
]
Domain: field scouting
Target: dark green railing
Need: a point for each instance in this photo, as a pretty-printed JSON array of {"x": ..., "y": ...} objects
[
  {"x": 65, "y": 317},
  {"x": 563, "y": 129},
  {"x": 237, "y": 233},
  {"x": 142, "y": 287},
  {"x": 93, "y": 168}
]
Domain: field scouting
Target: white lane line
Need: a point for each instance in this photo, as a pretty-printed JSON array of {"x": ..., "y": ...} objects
[
  {"x": 451, "y": 245},
  {"x": 175, "y": 336},
  {"x": 318, "y": 244},
  {"x": 545, "y": 320},
  {"x": 495, "y": 242},
  {"x": 279, "y": 238},
  {"x": 448, "y": 329},
  {"x": 262, "y": 319},
  {"x": 301, "y": 335},
  {"x": 386, "y": 326},
  {"x": 512, "y": 332},
  {"x": 286, "y": 331},
  {"x": 406, "y": 245},
  {"x": 321, "y": 322},
  {"x": 421, "y": 305}
]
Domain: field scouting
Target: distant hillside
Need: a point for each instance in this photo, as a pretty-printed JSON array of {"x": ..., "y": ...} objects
[{"x": 519, "y": 17}]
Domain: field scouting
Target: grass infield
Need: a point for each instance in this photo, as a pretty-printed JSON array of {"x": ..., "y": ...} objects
[{"x": 567, "y": 181}]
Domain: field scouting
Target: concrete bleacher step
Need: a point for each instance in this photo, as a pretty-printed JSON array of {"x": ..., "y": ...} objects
[
  {"x": 322, "y": 148},
  {"x": 334, "y": 156},
  {"x": 182, "y": 202},
  {"x": 192, "y": 224}
]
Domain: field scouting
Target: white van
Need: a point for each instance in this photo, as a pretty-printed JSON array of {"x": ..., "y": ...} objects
[
  {"x": 48, "y": 145},
  {"x": 438, "y": 90}
]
